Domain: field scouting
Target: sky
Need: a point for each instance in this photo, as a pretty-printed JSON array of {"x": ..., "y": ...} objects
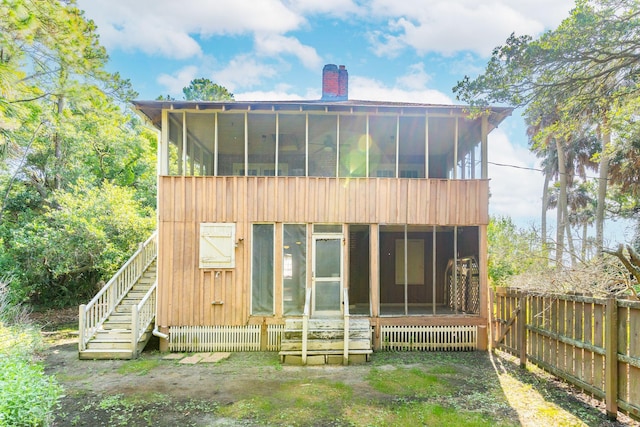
[{"x": 394, "y": 50}]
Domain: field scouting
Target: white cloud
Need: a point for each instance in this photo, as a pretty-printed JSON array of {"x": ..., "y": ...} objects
[
  {"x": 515, "y": 192},
  {"x": 279, "y": 93},
  {"x": 364, "y": 88},
  {"x": 416, "y": 78},
  {"x": 243, "y": 71},
  {"x": 168, "y": 27},
  {"x": 175, "y": 82},
  {"x": 331, "y": 7},
  {"x": 449, "y": 26},
  {"x": 274, "y": 45}
]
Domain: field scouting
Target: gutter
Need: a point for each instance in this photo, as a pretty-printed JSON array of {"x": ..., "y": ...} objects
[{"x": 159, "y": 334}]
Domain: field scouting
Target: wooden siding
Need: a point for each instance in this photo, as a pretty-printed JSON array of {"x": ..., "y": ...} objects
[
  {"x": 190, "y": 296},
  {"x": 323, "y": 200}
]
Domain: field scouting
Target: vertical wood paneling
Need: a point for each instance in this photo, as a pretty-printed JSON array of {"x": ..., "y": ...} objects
[{"x": 186, "y": 293}]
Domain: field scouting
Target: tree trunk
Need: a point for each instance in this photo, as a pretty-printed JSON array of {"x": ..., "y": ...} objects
[
  {"x": 57, "y": 179},
  {"x": 572, "y": 250},
  {"x": 545, "y": 208},
  {"x": 603, "y": 175},
  {"x": 562, "y": 203},
  {"x": 584, "y": 241}
]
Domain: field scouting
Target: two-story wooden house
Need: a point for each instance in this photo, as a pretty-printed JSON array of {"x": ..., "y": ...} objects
[{"x": 322, "y": 229}]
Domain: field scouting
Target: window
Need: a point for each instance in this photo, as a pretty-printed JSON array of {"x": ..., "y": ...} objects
[
  {"x": 415, "y": 260},
  {"x": 262, "y": 278},
  {"x": 294, "y": 268}
]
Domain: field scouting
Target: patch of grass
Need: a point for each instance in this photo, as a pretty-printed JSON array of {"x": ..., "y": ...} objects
[
  {"x": 299, "y": 403},
  {"x": 414, "y": 382},
  {"x": 138, "y": 366},
  {"x": 423, "y": 413},
  {"x": 418, "y": 413}
]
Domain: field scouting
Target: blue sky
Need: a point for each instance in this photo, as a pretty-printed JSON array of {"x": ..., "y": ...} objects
[{"x": 394, "y": 50}]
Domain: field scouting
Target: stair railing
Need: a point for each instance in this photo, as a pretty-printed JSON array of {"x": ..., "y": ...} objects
[
  {"x": 91, "y": 316},
  {"x": 345, "y": 303},
  {"x": 142, "y": 315},
  {"x": 305, "y": 323}
]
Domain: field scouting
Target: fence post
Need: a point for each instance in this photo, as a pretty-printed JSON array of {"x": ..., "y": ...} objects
[
  {"x": 522, "y": 328},
  {"x": 611, "y": 358}
]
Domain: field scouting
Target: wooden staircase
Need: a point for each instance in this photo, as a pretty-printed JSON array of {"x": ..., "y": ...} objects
[
  {"x": 118, "y": 322},
  {"x": 114, "y": 339},
  {"x": 325, "y": 341}
]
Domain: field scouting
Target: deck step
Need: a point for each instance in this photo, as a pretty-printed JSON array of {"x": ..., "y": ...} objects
[
  {"x": 110, "y": 344},
  {"x": 105, "y": 354},
  {"x": 326, "y": 345},
  {"x": 317, "y": 352}
]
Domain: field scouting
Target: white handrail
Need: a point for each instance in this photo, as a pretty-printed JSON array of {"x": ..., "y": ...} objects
[
  {"x": 345, "y": 303},
  {"x": 142, "y": 316},
  {"x": 91, "y": 316},
  {"x": 305, "y": 323}
]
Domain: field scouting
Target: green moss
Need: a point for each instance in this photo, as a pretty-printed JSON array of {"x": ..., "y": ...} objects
[{"x": 414, "y": 382}]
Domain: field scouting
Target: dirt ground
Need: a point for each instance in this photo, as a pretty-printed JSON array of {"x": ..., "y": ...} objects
[{"x": 254, "y": 389}]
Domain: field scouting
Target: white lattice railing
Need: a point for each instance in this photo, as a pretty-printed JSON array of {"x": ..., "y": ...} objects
[
  {"x": 92, "y": 316},
  {"x": 142, "y": 315},
  {"x": 223, "y": 338},
  {"x": 428, "y": 338}
]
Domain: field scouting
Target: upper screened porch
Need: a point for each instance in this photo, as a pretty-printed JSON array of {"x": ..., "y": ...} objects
[{"x": 321, "y": 139}]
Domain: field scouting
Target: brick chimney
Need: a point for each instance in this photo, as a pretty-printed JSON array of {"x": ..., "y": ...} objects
[{"x": 335, "y": 83}]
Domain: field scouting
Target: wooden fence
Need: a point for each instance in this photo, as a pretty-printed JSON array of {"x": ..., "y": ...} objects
[{"x": 590, "y": 342}]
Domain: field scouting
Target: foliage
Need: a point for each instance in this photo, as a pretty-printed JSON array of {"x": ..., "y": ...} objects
[
  {"x": 27, "y": 395},
  {"x": 202, "y": 89},
  {"x": 585, "y": 75},
  {"x": 512, "y": 251},
  {"x": 61, "y": 255},
  {"x": 77, "y": 169}
]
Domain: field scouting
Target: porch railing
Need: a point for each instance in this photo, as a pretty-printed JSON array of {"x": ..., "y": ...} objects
[
  {"x": 345, "y": 301},
  {"x": 142, "y": 315},
  {"x": 305, "y": 323},
  {"x": 91, "y": 316}
]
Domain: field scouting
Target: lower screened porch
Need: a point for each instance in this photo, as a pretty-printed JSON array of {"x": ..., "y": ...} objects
[{"x": 386, "y": 270}]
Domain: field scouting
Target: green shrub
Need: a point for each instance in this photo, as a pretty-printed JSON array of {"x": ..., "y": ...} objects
[{"x": 27, "y": 395}]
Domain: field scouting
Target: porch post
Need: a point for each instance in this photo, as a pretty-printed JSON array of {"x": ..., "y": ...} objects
[
  {"x": 374, "y": 279},
  {"x": 486, "y": 307},
  {"x": 483, "y": 147}
]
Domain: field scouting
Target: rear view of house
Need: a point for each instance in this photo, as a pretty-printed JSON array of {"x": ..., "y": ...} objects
[{"x": 321, "y": 229}]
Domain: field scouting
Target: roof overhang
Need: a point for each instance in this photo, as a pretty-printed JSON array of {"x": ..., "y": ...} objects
[{"x": 152, "y": 110}]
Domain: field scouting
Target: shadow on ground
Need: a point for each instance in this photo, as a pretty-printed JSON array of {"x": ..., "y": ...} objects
[{"x": 417, "y": 388}]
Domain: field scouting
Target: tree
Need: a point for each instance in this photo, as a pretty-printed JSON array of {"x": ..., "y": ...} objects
[
  {"x": 512, "y": 251},
  {"x": 588, "y": 68},
  {"x": 74, "y": 159},
  {"x": 202, "y": 89}
]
